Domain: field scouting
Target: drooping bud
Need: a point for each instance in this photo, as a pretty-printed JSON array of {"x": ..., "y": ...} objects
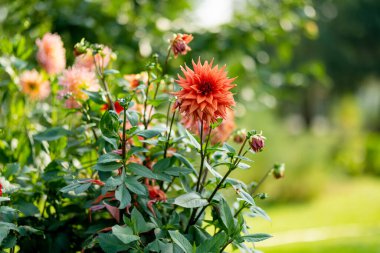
[
  {"x": 279, "y": 170},
  {"x": 179, "y": 43},
  {"x": 257, "y": 142}
]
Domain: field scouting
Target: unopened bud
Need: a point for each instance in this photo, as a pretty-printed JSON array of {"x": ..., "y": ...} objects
[
  {"x": 240, "y": 136},
  {"x": 257, "y": 142},
  {"x": 279, "y": 170}
]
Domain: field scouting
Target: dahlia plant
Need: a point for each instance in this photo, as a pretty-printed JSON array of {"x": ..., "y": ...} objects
[{"x": 130, "y": 162}]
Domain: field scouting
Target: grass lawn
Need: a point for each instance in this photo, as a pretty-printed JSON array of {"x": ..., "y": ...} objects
[{"x": 344, "y": 218}]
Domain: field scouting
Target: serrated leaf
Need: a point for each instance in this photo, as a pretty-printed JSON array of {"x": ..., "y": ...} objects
[
  {"x": 181, "y": 241},
  {"x": 190, "y": 200}
]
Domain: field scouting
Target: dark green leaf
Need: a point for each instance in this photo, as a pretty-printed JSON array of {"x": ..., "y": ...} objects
[
  {"x": 107, "y": 166},
  {"x": 135, "y": 186},
  {"x": 143, "y": 171},
  {"x": 141, "y": 226},
  {"x": 124, "y": 234},
  {"x": 111, "y": 244},
  {"x": 181, "y": 241},
  {"x": 226, "y": 216},
  {"x": 122, "y": 194},
  {"x": 95, "y": 96},
  {"x": 109, "y": 124},
  {"x": 150, "y": 133},
  {"x": 109, "y": 157},
  {"x": 193, "y": 141},
  {"x": 213, "y": 244}
]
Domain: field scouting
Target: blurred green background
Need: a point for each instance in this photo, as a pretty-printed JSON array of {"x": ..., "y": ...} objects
[{"x": 308, "y": 76}]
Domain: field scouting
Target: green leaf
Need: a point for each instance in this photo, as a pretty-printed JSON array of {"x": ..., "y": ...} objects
[
  {"x": 181, "y": 241},
  {"x": 122, "y": 194},
  {"x": 213, "y": 244},
  {"x": 190, "y": 200},
  {"x": 4, "y": 231},
  {"x": 27, "y": 208},
  {"x": 143, "y": 171},
  {"x": 111, "y": 244},
  {"x": 52, "y": 134},
  {"x": 259, "y": 212},
  {"x": 107, "y": 166},
  {"x": 82, "y": 187},
  {"x": 226, "y": 216},
  {"x": 256, "y": 237},
  {"x": 244, "y": 166},
  {"x": 150, "y": 133},
  {"x": 176, "y": 171},
  {"x": 111, "y": 72},
  {"x": 109, "y": 157},
  {"x": 95, "y": 96},
  {"x": 11, "y": 169},
  {"x": 109, "y": 124},
  {"x": 185, "y": 162},
  {"x": 2, "y": 199},
  {"x": 212, "y": 170},
  {"x": 135, "y": 186},
  {"x": 113, "y": 182},
  {"x": 124, "y": 234},
  {"x": 245, "y": 195},
  {"x": 193, "y": 141},
  {"x": 141, "y": 226},
  {"x": 77, "y": 187},
  {"x": 229, "y": 148},
  {"x": 132, "y": 117}
]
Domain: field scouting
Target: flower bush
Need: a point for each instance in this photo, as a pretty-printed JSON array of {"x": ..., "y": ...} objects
[{"x": 97, "y": 160}]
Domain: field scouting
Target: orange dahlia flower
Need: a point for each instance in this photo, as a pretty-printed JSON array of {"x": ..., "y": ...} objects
[
  {"x": 205, "y": 94},
  {"x": 34, "y": 85}
]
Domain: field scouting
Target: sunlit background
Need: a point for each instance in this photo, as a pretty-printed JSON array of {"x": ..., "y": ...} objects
[{"x": 308, "y": 76}]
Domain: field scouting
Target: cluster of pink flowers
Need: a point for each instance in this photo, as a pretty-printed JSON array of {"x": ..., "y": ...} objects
[{"x": 51, "y": 53}]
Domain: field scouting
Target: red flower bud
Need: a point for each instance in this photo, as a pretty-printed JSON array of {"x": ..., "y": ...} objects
[
  {"x": 257, "y": 142},
  {"x": 240, "y": 136}
]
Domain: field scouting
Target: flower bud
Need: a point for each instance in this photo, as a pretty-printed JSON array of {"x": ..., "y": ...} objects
[
  {"x": 257, "y": 142},
  {"x": 179, "y": 44},
  {"x": 279, "y": 170},
  {"x": 240, "y": 136}
]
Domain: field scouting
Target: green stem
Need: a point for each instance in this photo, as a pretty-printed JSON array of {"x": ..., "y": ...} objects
[
  {"x": 166, "y": 61},
  {"x": 170, "y": 131},
  {"x": 146, "y": 102}
]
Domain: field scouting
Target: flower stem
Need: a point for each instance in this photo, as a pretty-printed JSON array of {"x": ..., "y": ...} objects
[
  {"x": 102, "y": 77},
  {"x": 170, "y": 131},
  {"x": 166, "y": 61}
]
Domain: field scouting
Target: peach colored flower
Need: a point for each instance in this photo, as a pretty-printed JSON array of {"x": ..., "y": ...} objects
[
  {"x": 73, "y": 82},
  {"x": 34, "y": 85},
  {"x": 51, "y": 53},
  {"x": 224, "y": 130},
  {"x": 87, "y": 60},
  {"x": 205, "y": 94},
  {"x": 179, "y": 44},
  {"x": 135, "y": 80}
]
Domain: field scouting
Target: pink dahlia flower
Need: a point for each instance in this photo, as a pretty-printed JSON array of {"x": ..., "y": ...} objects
[
  {"x": 51, "y": 53},
  {"x": 34, "y": 85}
]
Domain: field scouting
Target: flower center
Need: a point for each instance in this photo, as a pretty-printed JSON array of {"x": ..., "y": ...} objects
[{"x": 205, "y": 88}]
